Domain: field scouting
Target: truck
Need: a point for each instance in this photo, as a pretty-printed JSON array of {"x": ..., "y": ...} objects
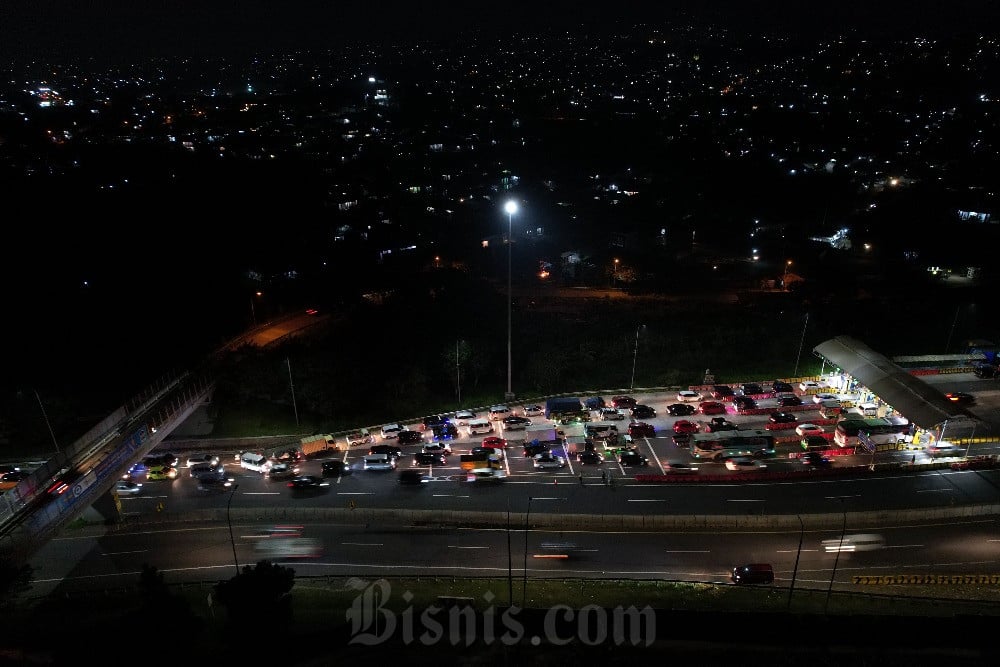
[
  {"x": 315, "y": 445},
  {"x": 475, "y": 461},
  {"x": 561, "y": 408},
  {"x": 541, "y": 433}
]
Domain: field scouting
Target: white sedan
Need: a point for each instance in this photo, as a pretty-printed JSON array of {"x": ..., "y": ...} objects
[
  {"x": 126, "y": 488},
  {"x": 823, "y": 396},
  {"x": 532, "y": 411},
  {"x": 808, "y": 429},
  {"x": 688, "y": 396},
  {"x": 806, "y": 385},
  {"x": 744, "y": 463},
  {"x": 546, "y": 460}
]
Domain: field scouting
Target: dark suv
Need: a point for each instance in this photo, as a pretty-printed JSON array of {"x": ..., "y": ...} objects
[
  {"x": 779, "y": 387},
  {"x": 406, "y": 437},
  {"x": 751, "y": 389},
  {"x": 391, "y": 450},
  {"x": 429, "y": 422},
  {"x": 721, "y": 392},
  {"x": 429, "y": 459}
]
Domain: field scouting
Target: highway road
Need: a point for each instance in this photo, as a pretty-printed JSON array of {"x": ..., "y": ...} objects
[{"x": 200, "y": 552}]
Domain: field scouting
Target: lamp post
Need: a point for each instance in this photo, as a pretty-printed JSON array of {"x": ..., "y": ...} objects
[
  {"x": 614, "y": 278},
  {"x": 801, "y": 341},
  {"x": 253, "y": 307},
  {"x": 229, "y": 520},
  {"x": 524, "y": 586},
  {"x": 840, "y": 547},
  {"x": 795, "y": 570},
  {"x": 635, "y": 354},
  {"x": 784, "y": 276},
  {"x": 511, "y": 208}
]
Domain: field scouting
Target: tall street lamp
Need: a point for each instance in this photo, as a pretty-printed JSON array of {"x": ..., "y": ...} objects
[
  {"x": 614, "y": 278},
  {"x": 253, "y": 310},
  {"x": 511, "y": 208},
  {"x": 784, "y": 276},
  {"x": 635, "y": 354},
  {"x": 229, "y": 520}
]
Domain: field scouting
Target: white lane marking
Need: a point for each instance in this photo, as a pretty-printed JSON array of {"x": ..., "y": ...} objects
[
  {"x": 935, "y": 490},
  {"x": 681, "y": 551},
  {"x": 363, "y": 544},
  {"x": 452, "y": 546},
  {"x": 448, "y": 495},
  {"x": 744, "y": 500},
  {"x": 641, "y": 500}
]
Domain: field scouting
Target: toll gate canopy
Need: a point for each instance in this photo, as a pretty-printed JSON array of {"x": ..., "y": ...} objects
[{"x": 921, "y": 403}]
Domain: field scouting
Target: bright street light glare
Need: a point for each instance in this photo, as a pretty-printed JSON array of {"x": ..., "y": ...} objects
[{"x": 510, "y": 207}]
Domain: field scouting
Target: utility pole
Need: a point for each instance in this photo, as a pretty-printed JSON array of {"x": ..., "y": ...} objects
[
  {"x": 292, "y": 386},
  {"x": 801, "y": 341},
  {"x": 51, "y": 433}
]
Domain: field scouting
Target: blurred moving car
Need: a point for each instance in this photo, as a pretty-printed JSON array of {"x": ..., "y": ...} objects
[
  {"x": 532, "y": 410},
  {"x": 852, "y": 543},
  {"x": 282, "y": 471},
  {"x": 462, "y": 417},
  {"x": 412, "y": 476},
  {"x": 195, "y": 459},
  {"x": 590, "y": 457},
  {"x": 688, "y": 396},
  {"x": 335, "y": 468},
  {"x": 808, "y": 429},
  {"x": 480, "y": 475},
  {"x": 751, "y": 389},
  {"x": 722, "y": 391},
  {"x": 814, "y": 459},
  {"x": 789, "y": 400},
  {"x": 960, "y": 397},
  {"x": 534, "y": 448},
  {"x": 379, "y": 462},
  {"x": 307, "y": 483},
  {"x": 744, "y": 403},
  {"x": 210, "y": 484},
  {"x": 743, "y": 463},
  {"x": 127, "y": 488},
  {"x": 446, "y": 431},
  {"x": 678, "y": 468},
  {"x": 494, "y": 442}
]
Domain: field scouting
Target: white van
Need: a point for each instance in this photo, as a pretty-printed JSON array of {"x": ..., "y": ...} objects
[
  {"x": 600, "y": 429},
  {"x": 479, "y": 426},
  {"x": 254, "y": 461},
  {"x": 498, "y": 412},
  {"x": 379, "y": 462}
]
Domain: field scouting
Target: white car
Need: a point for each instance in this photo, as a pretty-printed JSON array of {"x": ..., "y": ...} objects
[
  {"x": 195, "y": 459},
  {"x": 822, "y": 396},
  {"x": 498, "y": 412},
  {"x": 547, "y": 460},
  {"x": 126, "y": 488},
  {"x": 485, "y": 475},
  {"x": 437, "y": 448},
  {"x": 462, "y": 417},
  {"x": 532, "y": 410},
  {"x": 808, "y": 429},
  {"x": 688, "y": 396},
  {"x": 611, "y": 414},
  {"x": 390, "y": 431},
  {"x": 744, "y": 463},
  {"x": 806, "y": 385}
]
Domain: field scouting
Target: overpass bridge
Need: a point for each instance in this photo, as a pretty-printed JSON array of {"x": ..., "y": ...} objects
[{"x": 77, "y": 477}]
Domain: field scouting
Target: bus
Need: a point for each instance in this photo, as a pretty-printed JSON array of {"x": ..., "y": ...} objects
[
  {"x": 726, "y": 444},
  {"x": 880, "y": 430}
]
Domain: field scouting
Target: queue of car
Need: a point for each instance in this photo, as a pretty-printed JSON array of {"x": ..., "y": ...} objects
[{"x": 485, "y": 438}]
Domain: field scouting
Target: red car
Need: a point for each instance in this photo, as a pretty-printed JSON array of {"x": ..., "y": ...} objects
[
  {"x": 685, "y": 426},
  {"x": 641, "y": 430},
  {"x": 623, "y": 402},
  {"x": 494, "y": 442},
  {"x": 712, "y": 408}
]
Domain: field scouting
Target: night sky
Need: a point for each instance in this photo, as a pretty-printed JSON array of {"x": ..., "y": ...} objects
[{"x": 130, "y": 28}]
